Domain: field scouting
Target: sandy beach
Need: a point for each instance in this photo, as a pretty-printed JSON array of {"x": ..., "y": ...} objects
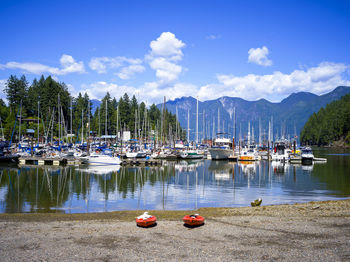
[{"x": 315, "y": 231}]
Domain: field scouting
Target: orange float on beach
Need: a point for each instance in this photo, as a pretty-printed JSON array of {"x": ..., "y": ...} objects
[
  {"x": 146, "y": 220},
  {"x": 193, "y": 220}
]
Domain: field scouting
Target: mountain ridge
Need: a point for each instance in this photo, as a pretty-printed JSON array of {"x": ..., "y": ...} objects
[{"x": 289, "y": 115}]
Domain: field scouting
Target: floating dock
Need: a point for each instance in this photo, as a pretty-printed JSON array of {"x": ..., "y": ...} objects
[{"x": 40, "y": 161}]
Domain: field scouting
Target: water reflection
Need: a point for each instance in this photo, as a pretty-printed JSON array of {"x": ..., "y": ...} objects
[{"x": 175, "y": 185}]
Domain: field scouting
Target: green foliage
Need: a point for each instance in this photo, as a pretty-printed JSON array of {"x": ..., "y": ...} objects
[
  {"x": 329, "y": 124},
  {"x": 47, "y": 95}
]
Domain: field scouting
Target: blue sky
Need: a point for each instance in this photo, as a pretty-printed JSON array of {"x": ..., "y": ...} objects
[{"x": 249, "y": 49}]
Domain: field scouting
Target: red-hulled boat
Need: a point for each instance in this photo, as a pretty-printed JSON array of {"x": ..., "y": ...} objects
[
  {"x": 193, "y": 220},
  {"x": 146, "y": 220}
]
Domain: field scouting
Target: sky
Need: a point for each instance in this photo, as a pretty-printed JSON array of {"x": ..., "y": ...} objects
[{"x": 205, "y": 49}]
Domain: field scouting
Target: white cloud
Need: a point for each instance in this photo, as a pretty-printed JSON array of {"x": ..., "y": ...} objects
[
  {"x": 155, "y": 93},
  {"x": 166, "y": 52},
  {"x": 129, "y": 66},
  {"x": 99, "y": 89},
  {"x": 68, "y": 65},
  {"x": 167, "y": 45},
  {"x": 150, "y": 92},
  {"x": 319, "y": 80},
  {"x": 213, "y": 37},
  {"x": 127, "y": 72},
  {"x": 259, "y": 56},
  {"x": 165, "y": 70},
  {"x": 2, "y": 87}
]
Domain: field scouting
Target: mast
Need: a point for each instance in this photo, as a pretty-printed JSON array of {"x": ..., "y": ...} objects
[
  {"x": 188, "y": 126},
  {"x": 203, "y": 133},
  {"x": 213, "y": 132},
  {"x": 20, "y": 121},
  {"x": 260, "y": 142},
  {"x": 99, "y": 122},
  {"x": 117, "y": 121},
  {"x": 71, "y": 117},
  {"x": 197, "y": 123},
  {"x": 106, "y": 122},
  {"x": 38, "y": 119},
  {"x": 272, "y": 129},
  {"x": 59, "y": 120},
  {"x": 176, "y": 117},
  {"x": 234, "y": 122},
  {"x": 135, "y": 133},
  {"x": 249, "y": 133},
  {"x": 88, "y": 119},
  {"x": 82, "y": 127},
  {"x": 218, "y": 120}
]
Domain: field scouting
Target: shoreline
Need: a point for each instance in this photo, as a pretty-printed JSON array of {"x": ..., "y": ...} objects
[
  {"x": 327, "y": 208},
  {"x": 314, "y": 231}
]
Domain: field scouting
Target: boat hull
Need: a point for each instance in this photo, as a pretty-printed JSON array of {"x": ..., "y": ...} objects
[
  {"x": 193, "y": 221},
  {"x": 146, "y": 222},
  {"x": 219, "y": 153},
  {"x": 101, "y": 160},
  {"x": 9, "y": 159},
  {"x": 307, "y": 160}
]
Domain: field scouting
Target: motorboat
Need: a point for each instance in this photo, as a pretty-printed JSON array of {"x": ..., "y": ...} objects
[
  {"x": 101, "y": 159},
  {"x": 281, "y": 152},
  {"x": 221, "y": 149},
  {"x": 191, "y": 154},
  {"x": 307, "y": 156},
  {"x": 248, "y": 154},
  {"x": 136, "y": 154}
]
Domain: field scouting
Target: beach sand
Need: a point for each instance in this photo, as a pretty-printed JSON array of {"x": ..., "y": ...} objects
[{"x": 315, "y": 231}]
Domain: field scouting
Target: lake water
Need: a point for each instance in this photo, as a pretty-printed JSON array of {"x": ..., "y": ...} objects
[{"x": 177, "y": 185}]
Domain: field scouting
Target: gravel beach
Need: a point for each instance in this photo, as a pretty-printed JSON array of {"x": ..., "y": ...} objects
[{"x": 315, "y": 231}]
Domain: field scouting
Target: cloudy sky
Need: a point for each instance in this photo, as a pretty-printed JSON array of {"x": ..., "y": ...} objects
[{"x": 248, "y": 49}]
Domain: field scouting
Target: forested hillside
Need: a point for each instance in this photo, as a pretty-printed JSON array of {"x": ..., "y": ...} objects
[
  {"x": 56, "y": 105},
  {"x": 329, "y": 124}
]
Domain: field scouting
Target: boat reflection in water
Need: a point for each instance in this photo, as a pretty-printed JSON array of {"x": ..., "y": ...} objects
[
  {"x": 187, "y": 165},
  {"x": 248, "y": 167},
  {"x": 100, "y": 170},
  {"x": 222, "y": 170},
  {"x": 176, "y": 185},
  {"x": 279, "y": 167}
]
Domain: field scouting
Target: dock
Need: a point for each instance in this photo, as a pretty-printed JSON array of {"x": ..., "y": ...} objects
[{"x": 40, "y": 161}]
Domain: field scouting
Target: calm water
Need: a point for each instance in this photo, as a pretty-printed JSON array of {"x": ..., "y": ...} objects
[{"x": 176, "y": 185}]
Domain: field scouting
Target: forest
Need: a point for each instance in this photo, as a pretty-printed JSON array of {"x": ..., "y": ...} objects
[
  {"x": 49, "y": 104},
  {"x": 329, "y": 124}
]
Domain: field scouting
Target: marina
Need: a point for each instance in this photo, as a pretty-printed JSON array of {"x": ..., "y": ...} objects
[
  {"x": 170, "y": 185},
  {"x": 76, "y": 162}
]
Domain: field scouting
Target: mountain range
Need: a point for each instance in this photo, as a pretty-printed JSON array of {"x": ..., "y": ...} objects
[{"x": 288, "y": 116}]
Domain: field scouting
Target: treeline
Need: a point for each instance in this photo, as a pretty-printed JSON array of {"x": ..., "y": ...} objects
[
  {"x": 61, "y": 114},
  {"x": 329, "y": 124}
]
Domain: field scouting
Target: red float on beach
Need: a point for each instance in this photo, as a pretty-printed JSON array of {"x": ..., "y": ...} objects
[
  {"x": 146, "y": 220},
  {"x": 193, "y": 220}
]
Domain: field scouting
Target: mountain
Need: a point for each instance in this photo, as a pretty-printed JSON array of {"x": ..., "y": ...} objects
[
  {"x": 94, "y": 104},
  {"x": 288, "y": 116}
]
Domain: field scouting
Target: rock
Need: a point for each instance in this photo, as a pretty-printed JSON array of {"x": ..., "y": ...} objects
[{"x": 256, "y": 202}]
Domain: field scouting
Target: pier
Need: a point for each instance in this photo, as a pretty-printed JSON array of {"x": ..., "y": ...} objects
[{"x": 62, "y": 161}]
